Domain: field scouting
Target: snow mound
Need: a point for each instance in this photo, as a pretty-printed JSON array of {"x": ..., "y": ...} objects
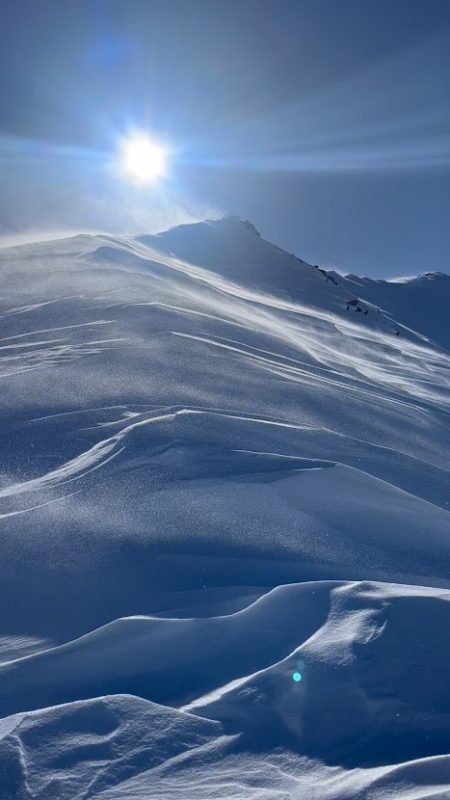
[
  {"x": 370, "y": 683},
  {"x": 167, "y": 660},
  {"x": 85, "y": 748}
]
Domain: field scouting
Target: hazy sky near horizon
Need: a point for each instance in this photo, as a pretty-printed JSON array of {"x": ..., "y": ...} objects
[{"x": 325, "y": 122}]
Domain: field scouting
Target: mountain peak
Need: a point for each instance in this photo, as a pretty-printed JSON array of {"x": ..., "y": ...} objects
[
  {"x": 435, "y": 275},
  {"x": 233, "y": 219},
  {"x": 226, "y": 223}
]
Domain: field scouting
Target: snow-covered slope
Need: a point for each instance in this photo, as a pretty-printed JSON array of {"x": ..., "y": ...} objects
[
  {"x": 221, "y": 467},
  {"x": 420, "y": 303}
]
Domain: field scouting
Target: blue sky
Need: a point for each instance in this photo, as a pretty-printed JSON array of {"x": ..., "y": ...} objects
[{"x": 325, "y": 122}]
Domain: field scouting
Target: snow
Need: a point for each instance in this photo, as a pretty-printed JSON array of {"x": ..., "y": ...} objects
[
  {"x": 419, "y": 302},
  {"x": 221, "y": 466}
]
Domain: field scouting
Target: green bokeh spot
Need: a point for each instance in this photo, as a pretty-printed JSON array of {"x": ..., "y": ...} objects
[{"x": 296, "y": 676}]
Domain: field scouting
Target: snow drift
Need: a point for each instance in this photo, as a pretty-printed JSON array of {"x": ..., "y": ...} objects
[{"x": 221, "y": 467}]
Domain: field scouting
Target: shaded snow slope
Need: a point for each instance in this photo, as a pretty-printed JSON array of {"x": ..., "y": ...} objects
[
  {"x": 220, "y": 465},
  {"x": 420, "y": 304}
]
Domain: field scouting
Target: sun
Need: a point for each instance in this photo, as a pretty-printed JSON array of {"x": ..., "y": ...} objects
[{"x": 143, "y": 159}]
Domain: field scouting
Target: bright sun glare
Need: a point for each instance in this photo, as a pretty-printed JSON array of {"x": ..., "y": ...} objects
[{"x": 143, "y": 159}]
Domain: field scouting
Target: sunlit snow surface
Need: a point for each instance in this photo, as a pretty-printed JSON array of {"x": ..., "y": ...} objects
[{"x": 224, "y": 510}]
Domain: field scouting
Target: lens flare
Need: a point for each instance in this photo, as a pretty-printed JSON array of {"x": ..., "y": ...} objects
[{"x": 296, "y": 676}]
